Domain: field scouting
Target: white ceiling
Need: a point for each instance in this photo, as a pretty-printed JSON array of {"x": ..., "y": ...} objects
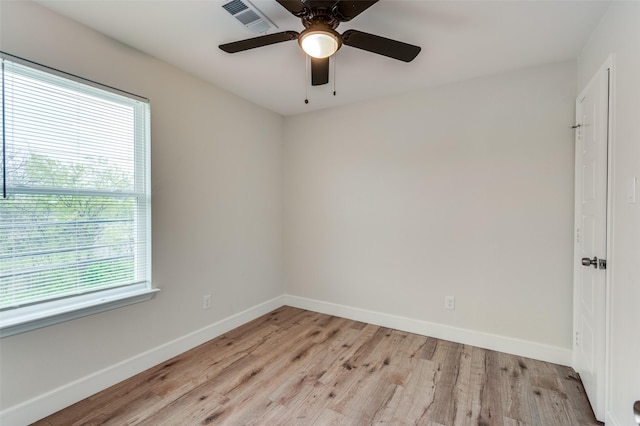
[{"x": 459, "y": 40}]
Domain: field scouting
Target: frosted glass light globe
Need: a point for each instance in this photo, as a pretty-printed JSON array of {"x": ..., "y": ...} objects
[{"x": 319, "y": 44}]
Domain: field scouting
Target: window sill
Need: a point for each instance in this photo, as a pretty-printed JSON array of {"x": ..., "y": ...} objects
[{"x": 14, "y": 323}]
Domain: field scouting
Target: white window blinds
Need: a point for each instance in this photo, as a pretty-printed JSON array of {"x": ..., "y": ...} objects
[{"x": 75, "y": 209}]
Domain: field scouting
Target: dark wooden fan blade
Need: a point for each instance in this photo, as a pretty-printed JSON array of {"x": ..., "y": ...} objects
[
  {"x": 347, "y": 10},
  {"x": 319, "y": 4},
  {"x": 381, "y": 45},
  {"x": 319, "y": 71},
  {"x": 294, "y": 6},
  {"x": 252, "y": 43}
]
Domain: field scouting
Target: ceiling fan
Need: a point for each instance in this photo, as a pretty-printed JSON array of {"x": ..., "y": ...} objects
[{"x": 320, "y": 40}]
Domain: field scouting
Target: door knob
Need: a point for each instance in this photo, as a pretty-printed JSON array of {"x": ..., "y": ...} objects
[{"x": 588, "y": 262}]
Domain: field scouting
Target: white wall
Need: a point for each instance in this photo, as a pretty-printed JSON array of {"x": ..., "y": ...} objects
[
  {"x": 619, "y": 34},
  {"x": 217, "y": 208},
  {"x": 463, "y": 190}
]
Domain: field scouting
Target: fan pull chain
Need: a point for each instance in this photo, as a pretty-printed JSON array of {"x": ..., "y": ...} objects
[
  {"x": 307, "y": 60},
  {"x": 335, "y": 65}
]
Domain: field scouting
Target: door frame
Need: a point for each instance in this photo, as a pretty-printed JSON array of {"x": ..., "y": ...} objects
[{"x": 607, "y": 67}]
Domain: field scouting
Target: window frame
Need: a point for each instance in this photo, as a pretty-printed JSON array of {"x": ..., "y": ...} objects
[{"x": 41, "y": 314}]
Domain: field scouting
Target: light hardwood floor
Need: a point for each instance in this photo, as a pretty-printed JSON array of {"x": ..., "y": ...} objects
[{"x": 296, "y": 367}]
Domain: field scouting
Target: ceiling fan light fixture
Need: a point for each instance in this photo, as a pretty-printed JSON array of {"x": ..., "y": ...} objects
[{"x": 319, "y": 43}]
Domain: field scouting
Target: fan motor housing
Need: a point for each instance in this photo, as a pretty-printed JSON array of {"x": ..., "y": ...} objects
[{"x": 321, "y": 18}]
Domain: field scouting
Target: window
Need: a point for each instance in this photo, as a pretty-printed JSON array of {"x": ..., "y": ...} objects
[{"x": 75, "y": 207}]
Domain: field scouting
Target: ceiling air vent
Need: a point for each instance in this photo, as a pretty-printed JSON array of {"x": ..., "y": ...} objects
[{"x": 249, "y": 16}]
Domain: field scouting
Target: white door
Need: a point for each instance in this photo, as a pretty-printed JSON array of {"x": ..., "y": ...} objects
[{"x": 592, "y": 118}]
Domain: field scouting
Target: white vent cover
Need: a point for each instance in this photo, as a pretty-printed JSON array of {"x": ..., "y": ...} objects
[{"x": 249, "y": 16}]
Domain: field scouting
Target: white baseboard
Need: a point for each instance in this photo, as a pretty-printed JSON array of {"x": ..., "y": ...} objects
[
  {"x": 50, "y": 402},
  {"x": 494, "y": 342}
]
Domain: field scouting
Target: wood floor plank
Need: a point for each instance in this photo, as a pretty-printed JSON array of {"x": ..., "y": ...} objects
[
  {"x": 477, "y": 379},
  {"x": 331, "y": 418},
  {"x": 447, "y": 357},
  {"x": 512, "y": 422},
  {"x": 277, "y": 368},
  {"x": 466, "y": 408},
  {"x": 333, "y": 375},
  {"x": 367, "y": 387},
  {"x": 370, "y": 401},
  {"x": 418, "y": 395},
  {"x": 551, "y": 408},
  {"x": 273, "y": 414},
  {"x": 402, "y": 357},
  {"x": 315, "y": 369},
  {"x": 516, "y": 389},
  {"x": 491, "y": 408},
  {"x": 307, "y": 405},
  {"x": 297, "y": 367},
  {"x": 581, "y": 411}
]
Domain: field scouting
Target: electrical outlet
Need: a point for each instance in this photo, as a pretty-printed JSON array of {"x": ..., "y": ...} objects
[
  {"x": 450, "y": 302},
  {"x": 206, "y": 301}
]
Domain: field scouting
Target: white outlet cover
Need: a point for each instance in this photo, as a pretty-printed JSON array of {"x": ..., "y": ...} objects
[
  {"x": 206, "y": 301},
  {"x": 449, "y": 302}
]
